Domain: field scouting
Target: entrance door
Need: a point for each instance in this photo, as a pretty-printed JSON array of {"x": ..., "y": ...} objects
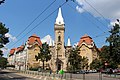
[{"x": 59, "y": 66}]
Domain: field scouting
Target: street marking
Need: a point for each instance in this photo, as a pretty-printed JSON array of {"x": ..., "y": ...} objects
[
  {"x": 36, "y": 76},
  {"x": 10, "y": 76},
  {"x": 7, "y": 75},
  {"x": 45, "y": 78},
  {"x": 40, "y": 77}
]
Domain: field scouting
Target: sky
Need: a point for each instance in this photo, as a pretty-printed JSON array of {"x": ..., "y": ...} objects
[{"x": 91, "y": 17}]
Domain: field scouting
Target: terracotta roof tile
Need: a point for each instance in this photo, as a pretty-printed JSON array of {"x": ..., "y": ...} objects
[
  {"x": 100, "y": 49},
  {"x": 20, "y": 48},
  {"x": 12, "y": 51},
  {"x": 34, "y": 38},
  {"x": 87, "y": 39}
]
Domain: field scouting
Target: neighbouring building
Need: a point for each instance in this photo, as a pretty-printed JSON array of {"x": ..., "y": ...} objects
[
  {"x": 11, "y": 57},
  {"x": 33, "y": 48},
  {"x": 88, "y": 48},
  {"x": 20, "y": 57}
]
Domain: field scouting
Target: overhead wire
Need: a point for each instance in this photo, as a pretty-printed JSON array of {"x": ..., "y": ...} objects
[
  {"x": 36, "y": 18},
  {"x": 92, "y": 15},
  {"x": 94, "y": 37},
  {"x": 100, "y": 35},
  {"x": 89, "y": 20},
  {"x": 96, "y": 10},
  {"x": 38, "y": 24}
]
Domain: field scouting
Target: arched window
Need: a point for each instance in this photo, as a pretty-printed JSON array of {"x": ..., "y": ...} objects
[{"x": 59, "y": 38}]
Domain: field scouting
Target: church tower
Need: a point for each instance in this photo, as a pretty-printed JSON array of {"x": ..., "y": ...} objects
[{"x": 59, "y": 29}]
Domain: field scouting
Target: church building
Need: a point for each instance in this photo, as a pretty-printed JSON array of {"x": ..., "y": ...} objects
[{"x": 59, "y": 50}]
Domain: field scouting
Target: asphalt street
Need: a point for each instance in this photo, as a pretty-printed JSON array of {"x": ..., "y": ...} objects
[{"x": 9, "y": 75}]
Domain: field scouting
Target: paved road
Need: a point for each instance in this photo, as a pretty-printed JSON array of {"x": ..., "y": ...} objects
[
  {"x": 7, "y": 75},
  {"x": 12, "y": 75}
]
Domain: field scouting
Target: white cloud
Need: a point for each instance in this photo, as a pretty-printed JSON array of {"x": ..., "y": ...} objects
[
  {"x": 79, "y": 9},
  {"x": 5, "y": 51},
  {"x": 11, "y": 37},
  {"x": 110, "y": 9},
  {"x": 112, "y": 23}
]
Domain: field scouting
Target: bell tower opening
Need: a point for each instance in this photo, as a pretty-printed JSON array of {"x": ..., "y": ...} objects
[
  {"x": 59, "y": 38},
  {"x": 59, "y": 66}
]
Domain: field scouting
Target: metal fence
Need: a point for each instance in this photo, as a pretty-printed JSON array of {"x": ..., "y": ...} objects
[{"x": 70, "y": 76}]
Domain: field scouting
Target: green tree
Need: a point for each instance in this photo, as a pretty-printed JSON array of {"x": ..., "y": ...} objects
[
  {"x": 74, "y": 59},
  {"x": 96, "y": 64},
  {"x": 111, "y": 53},
  {"x": 114, "y": 41},
  {"x": 3, "y": 62},
  {"x": 106, "y": 57},
  {"x": 3, "y": 39},
  {"x": 44, "y": 54},
  {"x": 84, "y": 63}
]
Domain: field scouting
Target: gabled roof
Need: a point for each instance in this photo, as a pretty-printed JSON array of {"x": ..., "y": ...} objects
[
  {"x": 34, "y": 38},
  {"x": 12, "y": 51},
  {"x": 86, "y": 39}
]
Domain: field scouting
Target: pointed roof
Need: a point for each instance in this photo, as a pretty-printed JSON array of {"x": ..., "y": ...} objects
[
  {"x": 86, "y": 39},
  {"x": 59, "y": 19},
  {"x": 50, "y": 43},
  {"x": 68, "y": 43},
  {"x": 53, "y": 43}
]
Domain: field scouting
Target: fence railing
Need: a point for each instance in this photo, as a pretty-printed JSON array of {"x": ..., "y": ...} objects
[{"x": 70, "y": 76}]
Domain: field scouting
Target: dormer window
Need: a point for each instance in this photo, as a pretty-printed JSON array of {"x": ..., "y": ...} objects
[{"x": 83, "y": 40}]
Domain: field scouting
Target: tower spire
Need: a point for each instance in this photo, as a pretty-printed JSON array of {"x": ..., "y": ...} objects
[
  {"x": 68, "y": 43},
  {"x": 59, "y": 19}
]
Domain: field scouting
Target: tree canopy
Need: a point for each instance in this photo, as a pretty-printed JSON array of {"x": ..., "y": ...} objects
[
  {"x": 3, "y": 62},
  {"x": 114, "y": 43},
  {"x": 1, "y": 1},
  {"x": 111, "y": 54},
  {"x": 3, "y": 39},
  {"x": 44, "y": 54},
  {"x": 74, "y": 59}
]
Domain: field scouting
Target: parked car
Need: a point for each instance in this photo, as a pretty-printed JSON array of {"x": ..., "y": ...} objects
[
  {"x": 93, "y": 71},
  {"x": 116, "y": 70}
]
